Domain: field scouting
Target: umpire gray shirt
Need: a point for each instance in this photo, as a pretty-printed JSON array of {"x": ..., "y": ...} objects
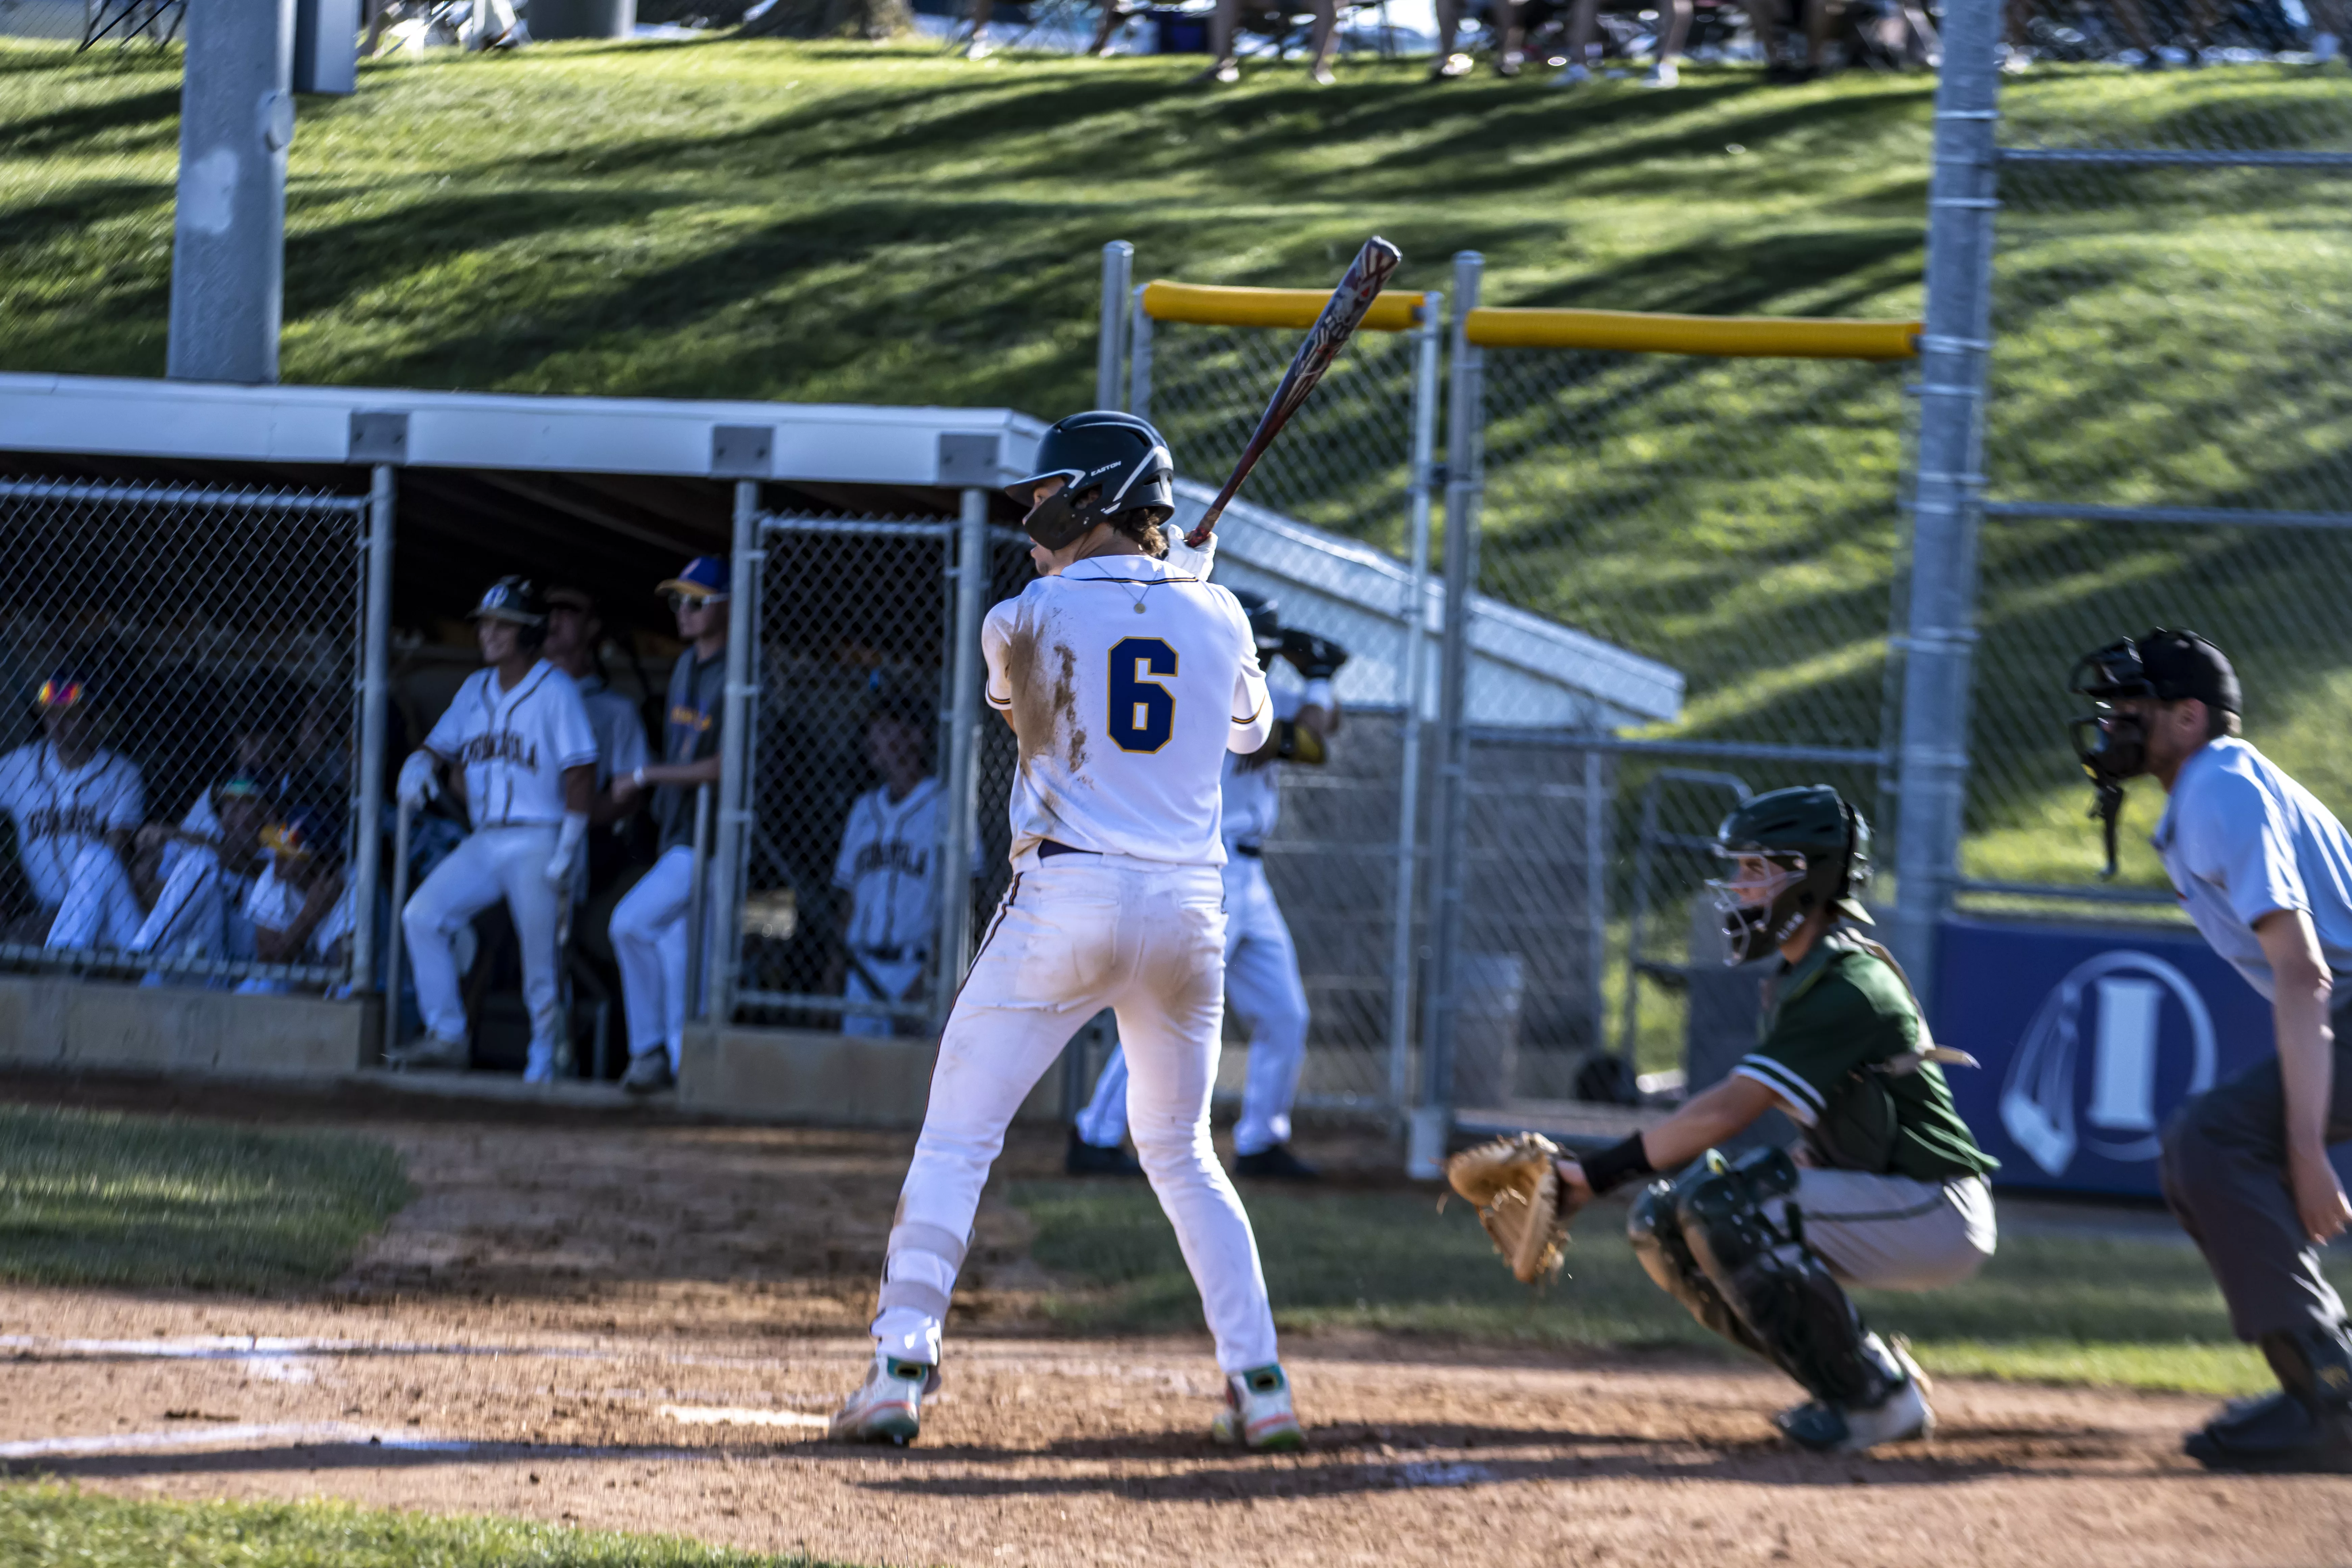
[{"x": 2240, "y": 839}]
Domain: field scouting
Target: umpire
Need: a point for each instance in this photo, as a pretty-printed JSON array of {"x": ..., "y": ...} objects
[{"x": 2266, "y": 873}]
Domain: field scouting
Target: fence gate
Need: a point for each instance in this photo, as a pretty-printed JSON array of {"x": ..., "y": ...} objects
[
  {"x": 1200, "y": 364},
  {"x": 1720, "y": 494},
  {"x": 179, "y": 690}
]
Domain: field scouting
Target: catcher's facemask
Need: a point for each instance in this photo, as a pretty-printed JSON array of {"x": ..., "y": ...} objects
[
  {"x": 1759, "y": 901},
  {"x": 2111, "y": 744}
]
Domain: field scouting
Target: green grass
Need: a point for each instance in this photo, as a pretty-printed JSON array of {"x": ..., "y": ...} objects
[
  {"x": 52, "y": 1527},
  {"x": 890, "y": 223},
  {"x": 2047, "y": 1308},
  {"x": 141, "y": 1201}
]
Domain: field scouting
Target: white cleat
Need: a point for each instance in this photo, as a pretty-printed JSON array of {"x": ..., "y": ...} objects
[
  {"x": 1663, "y": 74},
  {"x": 1257, "y": 1413},
  {"x": 888, "y": 1407},
  {"x": 1904, "y": 1414},
  {"x": 434, "y": 1052}
]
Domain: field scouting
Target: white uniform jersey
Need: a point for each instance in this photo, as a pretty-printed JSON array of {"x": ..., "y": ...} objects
[
  {"x": 1253, "y": 795},
  {"x": 514, "y": 745},
  {"x": 1127, "y": 683},
  {"x": 61, "y": 811},
  {"x": 274, "y": 905},
  {"x": 887, "y": 850},
  {"x": 620, "y": 729}
]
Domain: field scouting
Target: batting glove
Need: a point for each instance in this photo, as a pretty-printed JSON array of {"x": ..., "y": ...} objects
[
  {"x": 417, "y": 780},
  {"x": 567, "y": 851}
]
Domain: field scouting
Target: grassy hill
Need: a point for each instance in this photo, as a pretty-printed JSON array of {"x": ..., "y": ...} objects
[{"x": 895, "y": 225}]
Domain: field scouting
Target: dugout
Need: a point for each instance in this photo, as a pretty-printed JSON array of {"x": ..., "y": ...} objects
[{"x": 218, "y": 558}]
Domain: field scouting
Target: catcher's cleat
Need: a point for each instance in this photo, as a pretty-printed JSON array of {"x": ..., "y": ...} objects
[
  {"x": 1275, "y": 1163},
  {"x": 1085, "y": 1159},
  {"x": 888, "y": 1407},
  {"x": 648, "y": 1073},
  {"x": 1257, "y": 1413},
  {"x": 434, "y": 1051},
  {"x": 1902, "y": 1415}
]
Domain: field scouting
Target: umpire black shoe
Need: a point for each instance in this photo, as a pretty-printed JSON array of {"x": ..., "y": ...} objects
[
  {"x": 1085, "y": 1159},
  {"x": 2305, "y": 1426},
  {"x": 1276, "y": 1163}
]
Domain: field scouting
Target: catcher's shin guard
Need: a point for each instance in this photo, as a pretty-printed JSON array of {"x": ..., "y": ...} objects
[
  {"x": 1785, "y": 1296},
  {"x": 1656, "y": 1232}
]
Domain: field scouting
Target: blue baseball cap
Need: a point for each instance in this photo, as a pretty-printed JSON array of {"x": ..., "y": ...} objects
[{"x": 704, "y": 577}]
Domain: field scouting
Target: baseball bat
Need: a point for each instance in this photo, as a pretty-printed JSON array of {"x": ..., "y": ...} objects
[{"x": 1359, "y": 286}]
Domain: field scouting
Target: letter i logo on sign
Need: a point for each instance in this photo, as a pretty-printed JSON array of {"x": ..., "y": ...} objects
[
  {"x": 2128, "y": 996},
  {"x": 2123, "y": 1079}
]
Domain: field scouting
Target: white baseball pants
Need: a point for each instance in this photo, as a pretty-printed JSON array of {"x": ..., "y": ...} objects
[
  {"x": 1265, "y": 990},
  {"x": 1075, "y": 934},
  {"x": 189, "y": 918},
  {"x": 649, "y": 942},
  {"x": 491, "y": 864}
]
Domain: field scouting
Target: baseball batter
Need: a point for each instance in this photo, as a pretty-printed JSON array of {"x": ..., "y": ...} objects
[
  {"x": 523, "y": 759},
  {"x": 649, "y": 925},
  {"x": 1125, "y": 682},
  {"x": 75, "y": 805},
  {"x": 1262, "y": 980},
  {"x": 1888, "y": 1190}
]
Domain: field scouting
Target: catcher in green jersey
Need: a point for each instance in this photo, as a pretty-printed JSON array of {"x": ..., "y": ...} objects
[{"x": 1887, "y": 1189}]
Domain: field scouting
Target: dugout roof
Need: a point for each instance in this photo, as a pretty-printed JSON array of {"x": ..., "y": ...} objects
[{"x": 613, "y": 492}]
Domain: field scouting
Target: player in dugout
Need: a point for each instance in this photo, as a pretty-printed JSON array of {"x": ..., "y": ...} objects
[
  {"x": 885, "y": 891},
  {"x": 1262, "y": 985},
  {"x": 2266, "y": 872},
  {"x": 1887, "y": 1190}
]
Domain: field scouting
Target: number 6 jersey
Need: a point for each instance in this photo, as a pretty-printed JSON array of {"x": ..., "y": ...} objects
[{"x": 1127, "y": 683}]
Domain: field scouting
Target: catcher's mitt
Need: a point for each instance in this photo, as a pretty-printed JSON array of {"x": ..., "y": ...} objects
[{"x": 1521, "y": 1201}]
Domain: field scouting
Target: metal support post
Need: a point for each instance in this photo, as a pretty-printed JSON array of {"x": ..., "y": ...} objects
[
  {"x": 1110, "y": 345},
  {"x": 228, "y": 224},
  {"x": 1465, "y": 483},
  {"x": 731, "y": 848},
  {"x": 1138, "y": 357},
  {"x": 1426, "y": 349},
  {"x": 699, "y": 933},
  {"x": 1596, "y": 897},
  {"x": 374, "y": 694},
  {"x": 963, "y": 762},
  {"x": 1932, "y": 759}
]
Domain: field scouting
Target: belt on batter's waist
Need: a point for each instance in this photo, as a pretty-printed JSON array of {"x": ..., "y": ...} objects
[
  {"x": 1250, "y": 851},
  {"x": 1049, "y": 847}
]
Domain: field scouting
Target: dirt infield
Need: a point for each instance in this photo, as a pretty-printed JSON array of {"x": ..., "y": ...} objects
[{"x": 641, "y": 1326}]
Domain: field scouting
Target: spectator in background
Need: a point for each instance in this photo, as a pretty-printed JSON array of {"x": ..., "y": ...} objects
[
  {"x": 1675, "y": 21},
  {"x": 1510, "y": 41},
  {"x": 886, "y": 896},
  {"x": 649, "y": 929},
  {"x": 75, "y": 805},
  {"x": 1224, "y": 64}
]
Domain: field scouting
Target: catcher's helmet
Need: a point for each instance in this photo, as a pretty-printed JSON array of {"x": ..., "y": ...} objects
[
  {"x": 517, "y": 601},
  {"x": 1109, "y": 464},
  {"x": 1815, "y": 849},
  {"x": 1265, "y": 623}
]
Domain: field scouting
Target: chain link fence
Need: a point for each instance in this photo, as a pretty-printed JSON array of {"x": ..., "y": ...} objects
[
  {"x": 1735, "y": 516},
  {"x": 2166, "y": 434},
  {"x": 178, "y": 734},
  {"x": 1353, "y": 467},
  {"x": 845, "y": 870}
]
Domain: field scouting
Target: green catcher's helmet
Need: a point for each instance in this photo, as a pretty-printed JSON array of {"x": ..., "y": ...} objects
[{"x": 1791, "y": 851}]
